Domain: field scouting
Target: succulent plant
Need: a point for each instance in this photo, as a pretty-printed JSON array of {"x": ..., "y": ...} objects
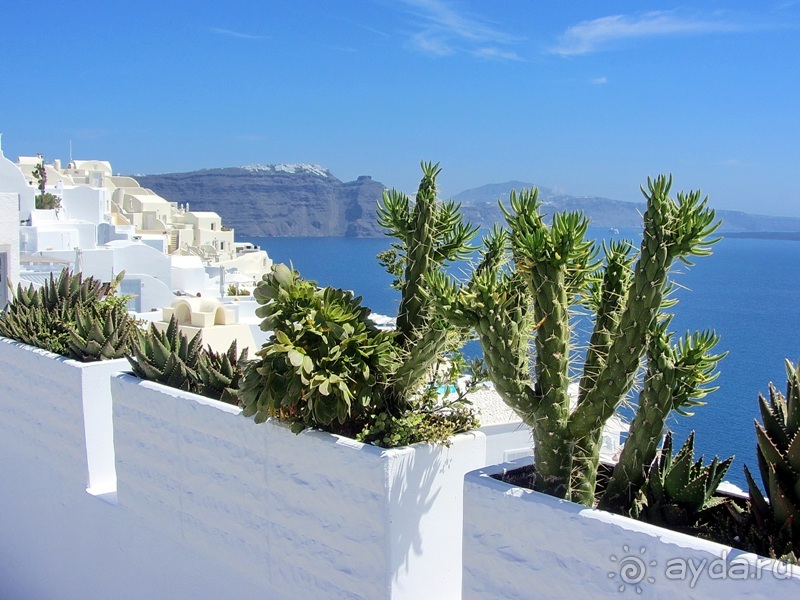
[
  {"x": 776, "y": 515},
  {"x": 72, "y": 316},
  {"x": 325, "y": 365},
  {"x": 220, "y": 373},
  {"x": 553, "y": 270},
  {"x": 678, "y": 488},
  {"x": 674, "y": 381},
  {"x": 102, "y": 331},
  {"x": 167, "y": 357},
  {"x": 429, "y": 236}
]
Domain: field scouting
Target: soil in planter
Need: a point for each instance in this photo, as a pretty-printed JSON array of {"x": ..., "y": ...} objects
[{"x": 525, "y": 477}]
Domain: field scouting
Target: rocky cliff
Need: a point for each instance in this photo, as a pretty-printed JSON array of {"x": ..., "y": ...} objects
[
  {"x": 276, "y": 200},
  {"x": 309, "y": 201}
]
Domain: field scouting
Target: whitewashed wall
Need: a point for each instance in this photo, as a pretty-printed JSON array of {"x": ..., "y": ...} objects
[
  {"x": 9, "y": 233},
  {"x": 309, "y": 516},
  {"x": 536, "y": 546},
  {"x": 209, "y": 505}
]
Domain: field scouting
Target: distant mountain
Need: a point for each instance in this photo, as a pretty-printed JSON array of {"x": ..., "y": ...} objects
[
  {"x": 308, "y": 200},
  {"x": 480, "y": 205},
  {"x": 276, "y": 200}
]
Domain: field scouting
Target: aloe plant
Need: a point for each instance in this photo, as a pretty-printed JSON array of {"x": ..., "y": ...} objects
[
  {"x": 167, "y": 357},
  {"x": 776, "y": 513},
  {"x": 219, "y": 373},
  {"x": 72, "y": 316},
  {"x": 102, "y": 332},
  {"x": 553, "y": 269},
  {"x": 678, "y": 488}
]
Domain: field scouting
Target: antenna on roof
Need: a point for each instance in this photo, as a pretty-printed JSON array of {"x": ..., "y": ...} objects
[{"x": 70, "y": 151}]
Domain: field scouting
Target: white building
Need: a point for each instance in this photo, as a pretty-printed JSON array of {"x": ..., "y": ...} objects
[{"x": 107, "y": 224}]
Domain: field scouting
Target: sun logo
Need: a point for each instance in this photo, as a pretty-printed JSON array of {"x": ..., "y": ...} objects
[{"x": 632, "y": 569}]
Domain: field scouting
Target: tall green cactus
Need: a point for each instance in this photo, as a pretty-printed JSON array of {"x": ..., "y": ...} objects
[
  {"x": 430, "y": 235},
  {"x": 675, "y": 380},
  {"x": 554, "y": 268},
  {"x": 327, "y": 365}
]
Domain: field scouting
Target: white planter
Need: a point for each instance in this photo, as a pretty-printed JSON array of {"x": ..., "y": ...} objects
[
  {"x": 65, "y": 406},
  {"x": 523, "y": 544},
  {"x": 313, "y": 515}
]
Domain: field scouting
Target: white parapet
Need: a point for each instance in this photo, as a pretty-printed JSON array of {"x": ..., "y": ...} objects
[
  {"x": 313, "y": 515},
  {"x": 520, "y": 544},
  {"x": 65, "y": 405}
]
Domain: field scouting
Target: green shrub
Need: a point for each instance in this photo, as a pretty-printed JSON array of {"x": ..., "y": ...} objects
[{"x": 325, "y": 365}]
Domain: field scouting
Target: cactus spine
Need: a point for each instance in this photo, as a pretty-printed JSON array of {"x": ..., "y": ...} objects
[{"x": 555, "y": 268}]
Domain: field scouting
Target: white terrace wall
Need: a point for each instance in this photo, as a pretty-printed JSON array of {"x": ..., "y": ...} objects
[
  {"x": 201, "y": 503},
  {"x": 537, "y": 546},
  {"x": 9, "y": 235},
  {"x": 58, "y": 540}
]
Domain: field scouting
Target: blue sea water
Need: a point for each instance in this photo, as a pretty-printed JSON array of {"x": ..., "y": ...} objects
[{"x": 748, "y": 291}]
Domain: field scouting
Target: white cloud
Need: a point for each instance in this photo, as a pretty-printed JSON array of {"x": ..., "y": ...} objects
[
  {"x": 592, "y": 36},
  {"x": 442, "y": 30},
  {"x": 496, "y": 53},
  {"x": 235, "y": 34},
  {"x": 430, "y": 44},
  {"x": 600, "y": 80}
]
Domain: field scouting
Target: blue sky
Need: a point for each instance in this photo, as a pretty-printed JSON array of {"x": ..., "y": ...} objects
[{"x": 586, "y": 97}]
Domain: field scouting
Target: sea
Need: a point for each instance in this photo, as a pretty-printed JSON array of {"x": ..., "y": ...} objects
[{"x": 748, "y": 291}]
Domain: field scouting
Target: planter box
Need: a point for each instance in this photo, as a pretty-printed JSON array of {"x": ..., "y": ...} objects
[
  {"x": 65, "y": 407},
  {"x": 313, "y": 515},
  {"x": 519, "y": 543}
]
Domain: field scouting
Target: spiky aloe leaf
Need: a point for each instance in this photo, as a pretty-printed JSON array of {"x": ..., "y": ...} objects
[{"x": 167, "y": 357}]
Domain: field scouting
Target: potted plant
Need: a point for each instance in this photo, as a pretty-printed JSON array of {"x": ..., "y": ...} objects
[
  {"x": 69, "y": 335},
  {"x": 291, "y": 498},
  {"x": 531, "y": 296}
]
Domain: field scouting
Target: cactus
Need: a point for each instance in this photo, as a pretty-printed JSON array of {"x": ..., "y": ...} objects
[
  {"x": 220, "y": 373},
  {"x": 674, "y": 381},
  {"x": 776, "y": 517},
  {"x": 678, "y": 489},
  {"x": 166, "y": 357},
  {"x": 430, "y": 235},
  {"x": 553, "y": 270},
  {"x": 327, "y": 365}
]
